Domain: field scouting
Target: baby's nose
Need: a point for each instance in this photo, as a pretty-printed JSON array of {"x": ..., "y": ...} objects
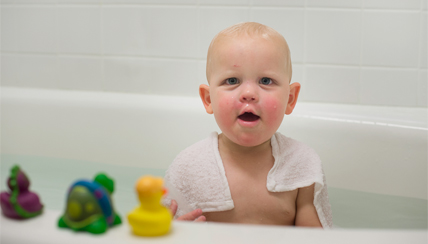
[{"x": 249, "y": 95}]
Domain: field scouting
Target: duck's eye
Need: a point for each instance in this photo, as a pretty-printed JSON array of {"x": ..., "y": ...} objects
[
  {"x": 265, "y": 81},
  {"x": 232, "y": 81}
]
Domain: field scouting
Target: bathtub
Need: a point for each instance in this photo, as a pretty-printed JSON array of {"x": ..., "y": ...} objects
[{"x": 374, "y": 158}]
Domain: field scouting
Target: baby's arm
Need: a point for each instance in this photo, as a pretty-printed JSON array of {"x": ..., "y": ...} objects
[
  {"x": 306, "y": 214},
  {"x": 195, "y": 215}
]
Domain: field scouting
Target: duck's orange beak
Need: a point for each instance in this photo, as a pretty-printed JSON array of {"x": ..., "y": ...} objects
[{"x": 164, "y": 191}]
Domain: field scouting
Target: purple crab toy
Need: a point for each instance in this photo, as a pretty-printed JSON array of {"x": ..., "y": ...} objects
[{"x": 20, "y": 203}]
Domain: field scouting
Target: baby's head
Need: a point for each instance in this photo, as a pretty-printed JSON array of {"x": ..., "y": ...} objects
[
  {"x": 249, "y": 74},
  {"x": 249, "y": 30}
]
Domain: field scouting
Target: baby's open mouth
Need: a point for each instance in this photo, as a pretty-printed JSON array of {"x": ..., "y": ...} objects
[{"x": 248, "y": 117}]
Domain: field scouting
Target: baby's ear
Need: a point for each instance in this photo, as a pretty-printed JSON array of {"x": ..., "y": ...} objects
[
  {"x": 292, "y": 97},
  {"x": 204, "y": 93}
]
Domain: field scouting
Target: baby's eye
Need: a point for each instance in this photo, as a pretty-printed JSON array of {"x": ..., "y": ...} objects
[
  {"x": 265, "y": 81},
  {"x": 232, "y": 81}
]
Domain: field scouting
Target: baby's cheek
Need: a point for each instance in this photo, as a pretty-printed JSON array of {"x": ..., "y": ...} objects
[
  {"x": 274, "y": 111},
  {"x": 224, "y": 103},
  {"x": 224, "y": 111}
]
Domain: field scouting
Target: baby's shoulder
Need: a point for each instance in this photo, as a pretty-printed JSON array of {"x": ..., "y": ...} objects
[
  {"x": 296, "y": 165},
  {"x": 195, "y": 165}
]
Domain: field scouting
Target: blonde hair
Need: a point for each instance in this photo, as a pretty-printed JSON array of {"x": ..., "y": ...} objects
[{"x": 250, "y": 29}]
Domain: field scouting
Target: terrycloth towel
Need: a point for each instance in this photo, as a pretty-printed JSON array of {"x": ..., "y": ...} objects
[{"x": 196, "y": 178}]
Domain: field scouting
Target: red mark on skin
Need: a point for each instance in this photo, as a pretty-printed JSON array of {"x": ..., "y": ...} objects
[{"x": 235, "y": 65}]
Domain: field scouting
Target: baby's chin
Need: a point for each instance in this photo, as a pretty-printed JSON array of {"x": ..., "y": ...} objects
[{"x": 248, "y": 139}]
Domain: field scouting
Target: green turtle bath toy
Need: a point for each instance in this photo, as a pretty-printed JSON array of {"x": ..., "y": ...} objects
[{"x": 89, "y": 206}]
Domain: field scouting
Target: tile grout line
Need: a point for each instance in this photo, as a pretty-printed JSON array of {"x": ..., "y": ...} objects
[
  {"x": 118, "y": 56},
  {"x": 361, "y": 53},
  {"x": 103, "y": 69},
  {"x": 305, "y": 42},
  {"x": 331, "y": 8}
]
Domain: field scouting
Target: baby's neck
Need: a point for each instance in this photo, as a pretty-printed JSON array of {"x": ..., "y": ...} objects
[{"x": 237, "y": 154}]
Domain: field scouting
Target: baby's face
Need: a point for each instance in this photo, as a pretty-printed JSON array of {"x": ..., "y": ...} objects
[{"x": 249, "y": 88}]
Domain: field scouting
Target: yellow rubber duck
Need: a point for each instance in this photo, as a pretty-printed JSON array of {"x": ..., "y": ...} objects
[{"x": 150, "y": 218}]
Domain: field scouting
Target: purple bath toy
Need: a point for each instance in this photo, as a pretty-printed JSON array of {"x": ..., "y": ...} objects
[{"x": 19, "y": 203}]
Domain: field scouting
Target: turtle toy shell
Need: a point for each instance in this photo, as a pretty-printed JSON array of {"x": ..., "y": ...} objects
[{"x": 89, "y": 206}]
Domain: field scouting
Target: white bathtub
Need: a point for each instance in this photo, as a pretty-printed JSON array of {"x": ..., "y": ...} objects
[{"x": 375, "y": 158}]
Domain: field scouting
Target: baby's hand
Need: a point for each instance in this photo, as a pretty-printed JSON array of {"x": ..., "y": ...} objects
[{"x": 195, "y": 215}]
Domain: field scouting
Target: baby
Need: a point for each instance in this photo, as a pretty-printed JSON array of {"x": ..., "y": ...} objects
[{"x": 250, "y": 173}]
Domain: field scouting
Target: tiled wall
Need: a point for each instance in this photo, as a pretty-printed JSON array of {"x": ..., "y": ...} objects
[{"x": 370, "y": 52}]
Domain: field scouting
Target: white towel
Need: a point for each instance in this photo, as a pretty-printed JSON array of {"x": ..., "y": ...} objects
[{"x": 196, "y": 178}]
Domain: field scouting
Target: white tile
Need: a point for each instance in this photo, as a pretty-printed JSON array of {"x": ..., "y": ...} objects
[
  {"x": 173, "y": 33},
  {"x": 283, "y": 3},
  {"x": 389, "y": 87},
  {"x": 392, "y": 4},
  {"x": 175, "y": 2},
  {"x": 80, "y": 73},
  {"x": 202, "y": 75},
  {"x": 390, "y": 38},
  {"x": 28, "y": 29},
  {"x": 424, "y": 42},
  {"x": 152, "y": 76},
  {"x": 224, "y": 2},
  {"x": 424, "y": 4},
  {"x": 152, "y": 31},
  {"x": 123, "y": 31},
  {"x": 37, "y": 71},
  {"x": 79, "y": 29},
  {"x": 333, "y": 37},
  {"x": 78, "y": 1},
  {"x": 297, "y": 75},
  {"x": 288, "y": 22},
  {"x": 121, "y": 73},
  {"x": 28, "y": 1},
  {"x": 214, "y": 19},
  {"x": 334, "y": 3},
  {"x": 332, "y": 84},
  {"x": 423, "y": 88},
  {"x": 302, "y": 80}
]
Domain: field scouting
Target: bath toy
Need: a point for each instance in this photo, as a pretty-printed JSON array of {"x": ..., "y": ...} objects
[
  {"x": 150, "y": 218},
  {"x": 89, "y": 206},
  {"x": 20, "y": 203}
]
